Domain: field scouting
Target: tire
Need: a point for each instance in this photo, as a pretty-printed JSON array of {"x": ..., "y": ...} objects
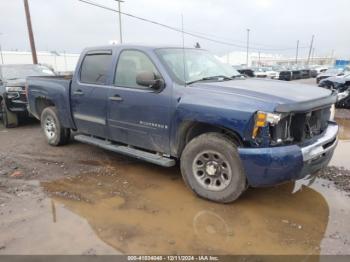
[
  {"x": 9, "y": 118},
  {"x": 55, "y": 134},
  {"x": 214, "y": 157}
]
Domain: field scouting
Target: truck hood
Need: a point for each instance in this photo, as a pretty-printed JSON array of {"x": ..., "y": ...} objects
[
  {"x": 281, "y": 95},
  {"x": 16, "y": 82}
]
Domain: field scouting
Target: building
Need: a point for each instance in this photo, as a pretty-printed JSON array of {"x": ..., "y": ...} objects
[
  {"x": 60, "y": 62},
  {"x": 267, "y": 59}
]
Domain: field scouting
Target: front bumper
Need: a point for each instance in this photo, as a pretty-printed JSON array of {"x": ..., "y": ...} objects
[
  {"x": 274, "y": 165},
  {"x": 16, "y": 101}
]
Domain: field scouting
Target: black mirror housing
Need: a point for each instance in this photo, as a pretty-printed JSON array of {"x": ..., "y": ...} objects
[{"x": 149, "y": 79}]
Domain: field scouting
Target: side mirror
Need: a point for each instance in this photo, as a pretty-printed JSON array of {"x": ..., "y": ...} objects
[{"x": 149, "y": 79}]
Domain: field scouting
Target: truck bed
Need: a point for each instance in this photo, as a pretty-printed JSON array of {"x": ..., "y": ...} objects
[{"x": 51, "y": 88}]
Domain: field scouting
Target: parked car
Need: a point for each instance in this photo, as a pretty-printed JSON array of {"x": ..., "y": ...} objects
[
  {"x": 289, "y": 75},
  {"x": 265, "y": 72},
  {"x": 331, "y": 72},
  {"x": 246, "y": 72},
  {"x": 342, "y": 85},
  {"x": 228, "y": 133},
  {"x": 305, "y": 73},
  {"x": 12, "y": 94}
]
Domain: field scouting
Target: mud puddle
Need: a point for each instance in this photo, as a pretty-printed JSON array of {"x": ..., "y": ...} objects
[
  {"x": 145, "y": 209},
  {"x": 344, "y": 128}
]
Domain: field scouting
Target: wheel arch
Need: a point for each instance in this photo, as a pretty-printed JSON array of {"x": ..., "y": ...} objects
[{"x": 191, "y": 129}]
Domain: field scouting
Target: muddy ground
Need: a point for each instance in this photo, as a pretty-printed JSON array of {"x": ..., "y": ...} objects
[{"x": 79, "y": 199}]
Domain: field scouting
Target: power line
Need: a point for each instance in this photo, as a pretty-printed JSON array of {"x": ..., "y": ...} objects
[{"x": 197, "y": 35}]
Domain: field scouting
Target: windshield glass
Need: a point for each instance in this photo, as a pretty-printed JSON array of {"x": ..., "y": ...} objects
[
  {"x": 198, "y": 64},
  {"x": 23, "y": 71}
]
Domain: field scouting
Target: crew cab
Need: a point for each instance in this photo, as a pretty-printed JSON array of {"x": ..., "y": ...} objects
[
  {"x": 13, "y": 100},
  {"x": 168, "y": 104}
]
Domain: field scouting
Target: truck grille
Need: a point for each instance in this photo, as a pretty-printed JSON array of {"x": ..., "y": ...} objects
[{"x": 298, "y": 127}]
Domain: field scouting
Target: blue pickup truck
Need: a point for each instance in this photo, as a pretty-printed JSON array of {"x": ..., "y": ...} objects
[{"x": 167, "y": 104}]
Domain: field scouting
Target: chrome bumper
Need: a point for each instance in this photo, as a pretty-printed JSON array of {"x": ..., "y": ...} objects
[{"x": 325, "y": 143}]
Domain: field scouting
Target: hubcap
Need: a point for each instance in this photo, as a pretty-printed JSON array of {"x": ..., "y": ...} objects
[
  {"x": 50, "y": 127},
  {"x": 211, "y": 170}
]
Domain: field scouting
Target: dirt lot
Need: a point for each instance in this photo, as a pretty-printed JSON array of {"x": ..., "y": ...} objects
[{"x": 79, "y": 199}]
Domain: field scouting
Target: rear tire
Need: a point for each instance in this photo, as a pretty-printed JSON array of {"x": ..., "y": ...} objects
[
  {"x": 211, "y": 167},
  {"x": 9, "y": 118},
  {"x": 55, "y": 133}
]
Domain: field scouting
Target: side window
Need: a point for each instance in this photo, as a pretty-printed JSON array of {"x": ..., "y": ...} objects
[
  {"x": 130, "y": 64},
  {"x": 95, "y": 68}
]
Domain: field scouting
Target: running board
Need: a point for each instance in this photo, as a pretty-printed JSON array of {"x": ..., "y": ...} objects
[{"x": 125, "y": 150}]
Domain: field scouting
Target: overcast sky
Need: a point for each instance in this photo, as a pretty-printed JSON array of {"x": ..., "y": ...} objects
[{"x": 70, "y": 25}]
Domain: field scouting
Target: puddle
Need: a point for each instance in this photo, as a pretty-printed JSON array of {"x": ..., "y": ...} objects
[
  {"x": 145, "y": 209},
  {"x": 344, "y": 128}
]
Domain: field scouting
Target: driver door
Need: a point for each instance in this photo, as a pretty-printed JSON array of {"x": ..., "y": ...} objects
[{"x": 138, "y": 115}]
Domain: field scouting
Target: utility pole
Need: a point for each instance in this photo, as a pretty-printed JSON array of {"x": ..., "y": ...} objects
[
  {"x": 259, "y": 59},
  {"x": 30, "y": 32},
  {"x": 297, "y": 52},
  {"x": 312, "y": 55},
  {"x": 248, "y": 30},
  {"x": 312, "y": 42},
  {"x": 2, "y": 58},
  {"x": 120, "y": 21}
]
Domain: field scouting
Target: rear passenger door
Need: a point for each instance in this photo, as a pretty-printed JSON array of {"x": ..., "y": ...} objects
[{"x": 89, "y": 92}]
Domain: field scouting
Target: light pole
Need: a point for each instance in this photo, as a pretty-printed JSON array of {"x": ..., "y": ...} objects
[
  {"x": 296, "y": 55},
  {"x": 248, "y": 30},
  {"x": 120, "y": 21}
]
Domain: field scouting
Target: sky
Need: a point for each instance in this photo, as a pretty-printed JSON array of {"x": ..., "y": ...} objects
[{"x": 70, "y": 25}]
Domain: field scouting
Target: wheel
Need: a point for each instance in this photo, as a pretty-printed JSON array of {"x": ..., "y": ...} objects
[
  {"x": 211, "y": 167},
  {"x": 55, "y": 134},
  {"x": 9, "y": 118}
]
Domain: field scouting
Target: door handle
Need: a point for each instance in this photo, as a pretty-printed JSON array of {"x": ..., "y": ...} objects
[
  {"x": 115, "y": 98},
  {"x": 78, "y": 92}
]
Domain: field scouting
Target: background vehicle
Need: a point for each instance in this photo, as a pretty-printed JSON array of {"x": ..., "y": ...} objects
[
  {"x": 12, "y": 94},
  {"x": 342, "y": 85},
  {"x": 332, "y": 72},
  {"x": 246, "y": 72},
  {"x": 227, "y": 132},
  {"x": 289, "y": 75}
]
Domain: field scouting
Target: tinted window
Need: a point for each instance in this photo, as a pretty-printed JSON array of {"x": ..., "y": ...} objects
[
  {"x": 94, "y": 69},
  {"x": 130, "y": 64}
]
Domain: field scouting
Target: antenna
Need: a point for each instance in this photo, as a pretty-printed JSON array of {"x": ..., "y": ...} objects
[{"x": 183, "y": 46}]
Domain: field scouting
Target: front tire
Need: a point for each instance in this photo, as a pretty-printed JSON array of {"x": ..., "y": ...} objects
[
  {"x": 55, "y": 133},
  {"x": 9, "y": 118},
  {"x": 211, "y": 167}
]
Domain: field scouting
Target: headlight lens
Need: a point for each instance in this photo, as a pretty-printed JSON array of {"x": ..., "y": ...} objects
[
  {"x": 262, "y": 119},
  {"x": 14, "y": 88}
]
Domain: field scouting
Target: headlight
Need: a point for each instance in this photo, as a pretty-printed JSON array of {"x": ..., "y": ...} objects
[
  {"x": 262, "y": 119},
  {"x": 342, "y": 95},
  {"x": 14, "y": 88},
  {"x": 331, "y": 116}
]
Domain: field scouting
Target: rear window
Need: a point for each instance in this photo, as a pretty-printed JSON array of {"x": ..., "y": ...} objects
[{"x": 95, "y": 68}]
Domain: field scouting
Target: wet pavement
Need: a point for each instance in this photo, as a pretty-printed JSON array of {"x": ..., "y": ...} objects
[{"x": 79, "y": 199}]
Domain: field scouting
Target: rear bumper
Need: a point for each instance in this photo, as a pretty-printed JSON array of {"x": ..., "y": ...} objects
[{"x": 274, "y": 165}]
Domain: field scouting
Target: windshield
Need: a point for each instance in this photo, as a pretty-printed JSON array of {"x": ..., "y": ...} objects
[
  {"x": 199, "y": 64},
  {"x": 22, "y": 71}
]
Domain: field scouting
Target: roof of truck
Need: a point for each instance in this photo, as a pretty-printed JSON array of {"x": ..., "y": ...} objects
[{"x": 136, "y": 46}]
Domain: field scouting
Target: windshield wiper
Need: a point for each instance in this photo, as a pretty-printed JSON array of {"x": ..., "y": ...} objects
[{"x": 218, "y": 77}]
